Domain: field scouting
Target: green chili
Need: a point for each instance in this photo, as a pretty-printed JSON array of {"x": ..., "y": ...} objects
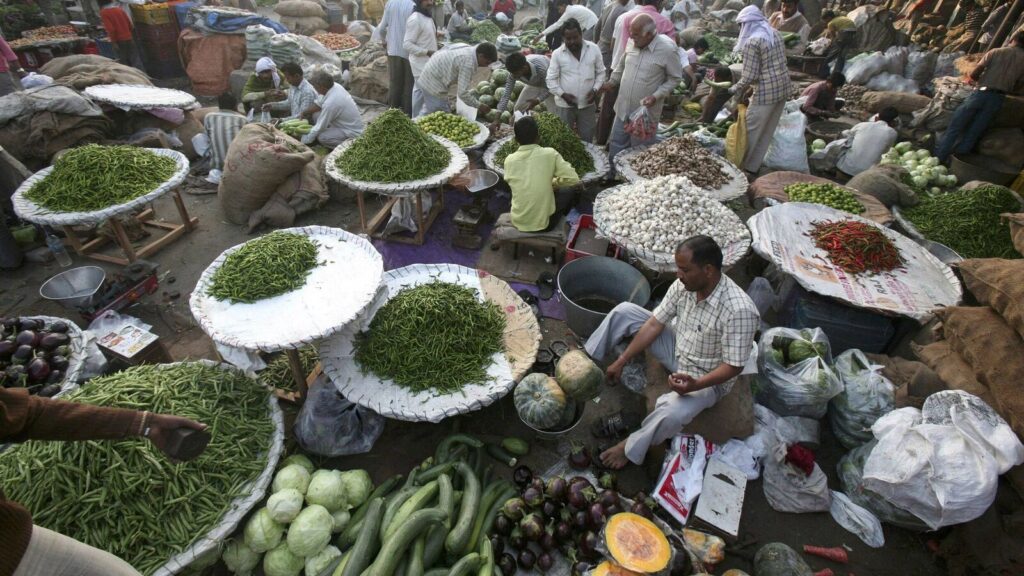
[
  {"x": 265, "y": 267},
  {"x": 554, "y": 134},
  {"x": 393, "y": 149}
]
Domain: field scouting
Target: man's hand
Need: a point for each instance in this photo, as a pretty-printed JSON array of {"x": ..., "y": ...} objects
[
  {"x": 531, "y": 104},
  {"x": 682, "y": 384},
  {"x": 569, "y": 99},
  {"x": 161, "y": 426},
  {"x": 591, "y": 96},
  {"x": 649, "y": 101},
  {"x": 614, "y": 370},
  {"x": 265, "y": 107},
  {"x": 308, "y": 139},
  {"x": 607, "y": 87}
]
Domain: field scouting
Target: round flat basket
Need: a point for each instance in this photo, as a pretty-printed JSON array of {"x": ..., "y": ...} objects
[
  {"x": 457, "y": 164},
  {"x": 335, "y": 293},
  {"x": 522, "y": 339},
  {"x": 912, "y": 231},
  {"x": 29, "y": 210},
  {"x": 483, "y": 133},
  {"x": 732, "y": 252},
  {"x": 76, "y": 356},
  {"x": 734, "y": 188},
  {"x": 598, "y": 155},
  {"x": 139, "y": 96}
]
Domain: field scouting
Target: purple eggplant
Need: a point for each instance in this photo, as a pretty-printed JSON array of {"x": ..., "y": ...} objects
[
  {"x": 580, "y": 499},
  {"x": 640, "y": 508},
  {"x": 22, "y": 355},
  {"x": 563, "y": 532},
  {"x": 497, "y": 545},
  {"x": 547, "y": 541},
  {"x": 58, "y": 362},
  {"x": 58, "y": 327},
  {"x": 7, "y": 349},
  {"x": 38, "y": 370},
  {"x": 581, "y": 519},
  {"x": 514, "y": 508},
  {"x": 533, "y": 497},
  {"x": 532, "y": 526},
  {"x": 522, "y": 475},
  {"x": 53, "y": 340},
  {"x": 596, "y": 515},
  {"x": 608, "y": 498},
  {"x": 49, "y": 391},
  {"x": 556, "y": 488},
  {"x": 550, "y": 509},
  {"x": 527, "y": 559},
  {"x": 587, "y": 545},
  {"x": 502, "y": 525},
  {"x": 507, "y": 564},
  {"x": 15, "y": 375},
  {"x": 545, "y": 562},
  {"x": 579, "y": 568},
  {"x": 27, "y": 338},
  {"x": 55, "y": 377},
  {"x": 579, "y": 456},
  {"x": 537, "y": 483},
  {"x": 30, "y": 324},
  {"x": 579, "y": 483},
  {"x": 613, "y": 510}
]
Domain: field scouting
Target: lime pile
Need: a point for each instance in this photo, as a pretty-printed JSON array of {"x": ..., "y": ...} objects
[
  {"x": 826, "y": 195},
  {"x": 450, "y": 126}
]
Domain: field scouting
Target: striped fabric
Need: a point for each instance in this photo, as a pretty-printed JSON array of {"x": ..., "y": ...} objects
[
  {"x": 454, "y": 63},
  {"x": 221, "y": 129},
  {"x": 538, "y": 79}
]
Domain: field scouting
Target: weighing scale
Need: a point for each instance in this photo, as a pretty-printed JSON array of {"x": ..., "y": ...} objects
[
  {"x": 123, "y": 289},
  {"x": 470, "y": 217}
]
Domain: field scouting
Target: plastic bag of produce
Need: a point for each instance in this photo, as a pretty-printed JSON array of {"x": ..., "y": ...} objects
[
  {"x": 857, "y": 519},
  {"x": 790, "y": 488},
  {"x": 866, "y": 397},
  {"x": 921, "y": 66},
  {"x": 851, "y": 479},
  {"x": 641, "y": 125},
  {"x": 788, "y": 150},
  {"x": 862, "y": 68},
  {"x": 795, "y": 377},
  {"x": 329, "y": 425}
]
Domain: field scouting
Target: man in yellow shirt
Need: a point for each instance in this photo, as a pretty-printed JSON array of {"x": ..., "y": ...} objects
[{"x": 533, "y": 172}]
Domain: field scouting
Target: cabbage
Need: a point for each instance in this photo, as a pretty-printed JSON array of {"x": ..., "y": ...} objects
[
  {"x": 908, "y": 156},
  {"x": 931, "y": 161},
  {"x": 920, "y": 181},
  {"x": 317, "y": 564},
  {"x": 910, "y": 164},
  {"x": 800, "y": 350},
  {"x": 261, "y": 532},
  {"x": 903, "y": 147},
  {"x": 936, "y": 190},
  {"x": 310, "y": 531},
  {"x": 922, "y": 154},
  {"x": 327, "y": 489},
  {"x": 281, "y": 562},
  {"x": 358, "y": 486},
  {"x": 291, "y": 476},
  {"x": 239, "y": 558},
  {"x": 818, "y": 144},
  {"x": 950, "y": 180},
  {"x": 940, "y": 169},
  {"x": 285, "y": 505},
  {"x": 341, "y": 518},
  {"x": 204, "y": 560},
  {"x": 301, "y": 460}
]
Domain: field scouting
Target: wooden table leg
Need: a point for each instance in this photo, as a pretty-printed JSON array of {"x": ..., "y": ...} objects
[
  {"x": 297, "y": 374},
  {"x": 190, "y": 223},
  {"x": 362, "y": 210},
  {"x": 122, "y": 239},
  {"x": 72, "y": 239},
  {"x": 420, "y": 232}
]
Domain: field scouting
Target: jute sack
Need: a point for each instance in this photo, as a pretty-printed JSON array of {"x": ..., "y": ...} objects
[
  {"x": 998, "y": 284},
  {"x": 259, "y": 159},
  {"x": 300, "y": 9},
  {"x": 299, "y": 193},
  {"x": 994, "y": 351},
  {"x": 904, "y": 102},
  {"x": 951, "y": 368},
  {"x": 1005, "y": 145},
  {"x": 304, "y": 25},
  {"x": 1016, "y": 222},
  {"x": 884, "y": 182}
]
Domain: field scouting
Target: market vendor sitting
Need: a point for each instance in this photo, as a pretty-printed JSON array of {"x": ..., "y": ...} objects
[
  {"x": 693, "y": 72},
  {"x": 820, "y": 103},
  {"x": 301, "y": 97},
  {"x": 790, "y": 20},
  {"x": 533, "y": 173},
  {"x": 27, "y": 549},
  {"x": 459, "y": 27},
  {"x": 339, "y": 118},
  {"x": 264, "y": 85},
  {"x": 702, "y": 333}
]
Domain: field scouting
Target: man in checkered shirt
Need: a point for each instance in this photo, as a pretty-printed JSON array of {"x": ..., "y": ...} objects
[{"x": 711, "y": 325}]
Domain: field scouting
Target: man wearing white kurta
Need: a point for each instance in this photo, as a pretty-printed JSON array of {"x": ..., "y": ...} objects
[
  {"x": 338, "y": 119},
  {"x": 575, "y": 75},
  {"x": 421, "y": 43},
  {"x": 392, "y": 28},
  {"x": 711, "y": 325}
]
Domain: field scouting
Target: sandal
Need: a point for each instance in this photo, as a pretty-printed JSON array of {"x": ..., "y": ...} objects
[
  {"x": 546, "y": 285},
  {"x": 614, "y": 426}
]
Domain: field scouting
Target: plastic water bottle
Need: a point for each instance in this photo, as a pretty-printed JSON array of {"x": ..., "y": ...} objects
[{"x": 60, "y": 253}]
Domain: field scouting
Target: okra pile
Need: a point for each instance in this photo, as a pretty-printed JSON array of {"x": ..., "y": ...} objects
[
  {"x": 435, "y": 337},
  {"x": 268, "y": 266},
  {"x": 393, "y": 149},
  {"x": 94, "y": 177},
  {"x": 967, "y": 221},
  {"x": 554, "y": 134},
  {"x": 125, "y": 496}
]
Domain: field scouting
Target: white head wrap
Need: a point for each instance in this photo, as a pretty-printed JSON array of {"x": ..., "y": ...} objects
[
  {"x": 264, "y": 64},
  {"x": 753, "y": 24}
]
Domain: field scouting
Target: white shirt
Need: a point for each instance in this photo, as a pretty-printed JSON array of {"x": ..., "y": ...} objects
[
  {"x": 456, "y": 63},
  {"x": 458, "y": 23},
  {"x": 420, "y": 38},
  {"x": 617, "y": 46},
  {"x": 339, "y": 119},
  {"x": 585, "y": 16},
  {"x": 566, "y": 74},
  {"x": 865, "y": 144},
  {"x": 688, "y": 57},
  {"x": 653, "y": 70},
  {"x": 392, "y": 25}
]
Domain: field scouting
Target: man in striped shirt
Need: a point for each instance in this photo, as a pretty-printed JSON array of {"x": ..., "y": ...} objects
[
  {"x": 301, "y": 100},
  {"x": 532, "y": 70},
  {"x": 221, "y": 128},
  {"x": 454, "y": 64}
]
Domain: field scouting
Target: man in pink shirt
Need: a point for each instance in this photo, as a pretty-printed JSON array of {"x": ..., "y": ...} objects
[
  {"x": 8, "y": 65},
  {"x": 651, "y": 8}
]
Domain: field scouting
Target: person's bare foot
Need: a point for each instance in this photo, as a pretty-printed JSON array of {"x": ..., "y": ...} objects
[{"x": 615, "y": 457}]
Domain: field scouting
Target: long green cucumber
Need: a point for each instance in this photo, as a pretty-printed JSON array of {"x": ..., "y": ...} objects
[
  {"x": 419, "y": 500},
  {"x": 436, "y": 572},
  {"x": 433, "y": 472},
  {"x": 466, "y": 565},
  {"x": 441, "y": 455},
  {"x": 486, "y": 502},
  {"x": 348, "y": 536},
  {"x": 393, "y": 503},
  {"x": 394, "y": 548},
  {"x": 435, "y": 538},
  {"x": 480, "y": 530},
  {"x": 501, "y": 455},
  {"x": 486, "y": 558},
  {"x": 414, "y": 567},
  {"x": 365, "y": 548},
  {"x": 463, "y": 526}
]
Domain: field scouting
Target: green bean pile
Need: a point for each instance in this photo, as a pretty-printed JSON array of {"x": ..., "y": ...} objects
[
  {"x": 435, "y": 337},
  {"x": 265, "y": 267},
  {"x": 825, "y": 194},
  {"x": 94, "y": 177},
  {"x": 393, "y": 149},
  {"x": 554, "y": 134},
  {"x": 967, "y": 221},
  {"x": 125, "y": 496},
  {"x": 278, "y": 373},
  {"x": 485, "y": 31}
]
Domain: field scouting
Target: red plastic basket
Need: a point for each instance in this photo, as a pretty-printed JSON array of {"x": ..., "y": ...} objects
[{"x": 586, "y": 222}]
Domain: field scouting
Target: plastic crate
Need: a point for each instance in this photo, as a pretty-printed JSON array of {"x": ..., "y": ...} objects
[
  {"x": 846, "y": 327},
  {"x": 150, "y": 14},
  {"x": 583, "y": 242}
]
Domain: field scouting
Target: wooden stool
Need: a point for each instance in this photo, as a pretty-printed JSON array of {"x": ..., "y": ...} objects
[{"x": 554, "y": 240}]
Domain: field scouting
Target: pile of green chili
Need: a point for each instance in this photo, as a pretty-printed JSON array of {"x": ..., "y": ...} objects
[
  {"x": 265, "y": 267},
  {"x": 393, "y": 149},
  {"x": 125, "y": 496},
  {"x": 554, "y": 134},
  {"x": 94, "y": 177},
  {"x": 278, "y": 373},
  {"x": 967, "y": 221},
  {"x": 434, "y": 337}
]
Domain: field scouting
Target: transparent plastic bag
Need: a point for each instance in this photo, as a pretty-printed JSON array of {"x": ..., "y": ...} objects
[
  {"x": 866, "y": 397},
  {"x": 330, "y": 425},
  {"x": 788, "y": 489},
  {"x": 857, "y": 519},
  {"x": 795, "y": 377},
  {"x": 641, "y": 125},
  {"x": 851, "y": 479}
]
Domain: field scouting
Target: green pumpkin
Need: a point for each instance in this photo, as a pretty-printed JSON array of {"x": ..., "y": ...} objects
[
  {"x": 578, "y": 376},
  {"x": 539, "y": 400}
]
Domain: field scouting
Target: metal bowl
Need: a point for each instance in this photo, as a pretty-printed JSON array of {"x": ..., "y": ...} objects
[
  {"x": 944, "y": 253},
  {"x": 976, "y": 167},
  {"x": 580, "y": 408},
  {"x": 480, "y": 180},
  {"x": 74, "y": 288}
]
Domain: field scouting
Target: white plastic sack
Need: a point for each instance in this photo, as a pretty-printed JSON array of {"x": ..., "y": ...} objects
[
  {"x": 866, "y": 397},
  {"x": 819, "y": 46},
  {"x": 864, "y": 67},
  {"x": 795, "y": 377},
  {"x": 789, "y": 489},
  {"x": 769, "y": 426},
  {"x": 851, "y": 479},
  {"x": 788, "y": 150},
  {"x": 31, "y": 80},
  {"x": 896, "y": 59},
  {"x": 856, "y": 519},
  {"x": 330, "y": 425},
  {"x": 739, "y": 455},
  {"x": 403, "y": 214},
  {"x": 945, "y": 64},
  {"x": 921, "y": 66},
  {"x": 942, "y": 463},
  {"x": 889, "y": 82}
]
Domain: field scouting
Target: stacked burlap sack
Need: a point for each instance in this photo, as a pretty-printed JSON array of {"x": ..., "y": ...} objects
[
  {"x": 269, "y": 178},
  {"x": 303, "y": 16},
  {"x": 369, "y": 73},
  {"x": 83, "y": 70}
]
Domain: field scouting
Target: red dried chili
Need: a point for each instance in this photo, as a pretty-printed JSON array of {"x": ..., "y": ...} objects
[{"x": 856, "y": 247}]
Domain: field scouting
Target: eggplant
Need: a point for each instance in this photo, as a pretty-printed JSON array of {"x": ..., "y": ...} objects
[
  {"x": 516, "y": 540},
  {"x": 537, "y": 483},
  {"x": 579, "y": 568},
  {"x": 588, "y": 545},
  {"x": 596, "y": 515},
  {"x": 581, "y": 519},
  {"x": 15, "y": 375},
  {"x": 608, "y": 481},
  {"x": 9, "y": 324},
  {"x": 59, "y": 327},
  {"x": 49, "y": 391},
  {"x": 38, "y": 370},
  {"x": 578, "y": 483},
  {"x": 579, "y": 499},
  {"x": 547, "y": 541},
  {"x": 527, "y": 559},
  {"x": 613, "y": 510},
  {"x": 30, "y": 324},
  {"x": 497, "y": 545},
  {"x": 579, "y": 456},
  {"x": 563, "y": 532},
  {"x": 533, "y": 497},
  {"x": 608, "y": 498},
  {"x": 502, "y": 525},
  {"x": 58, "y": 362},
  {"x": 55, "y": 377},
  {"x": 532, "y": 526},
  {"x": 550, "y": 509},
  {"x": 27, "y": 338},
  {"x": 545, "y": 562},
  {"x": 640, "y": 508},
  {"x": 522, "y": 475},
  {"x": 7, "y": 350},
  {"x": 507, "y": 564},
  {"x": 556, "y": 488},
  {"x": 53, "y": 340},
  {"x": 22, "y": 355},
  {"x": 514, "y": 508}
]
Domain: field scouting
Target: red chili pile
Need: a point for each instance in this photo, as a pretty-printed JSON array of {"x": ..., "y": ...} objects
[{"x": 856, "y": 247}]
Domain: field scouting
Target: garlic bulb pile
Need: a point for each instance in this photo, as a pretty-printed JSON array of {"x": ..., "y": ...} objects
[{"x": 658, "y": 214}]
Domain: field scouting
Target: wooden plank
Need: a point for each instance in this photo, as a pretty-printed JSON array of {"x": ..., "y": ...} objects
[
  {"x": 295, "y": 363},
  {"x": 122, "y": 239}
]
